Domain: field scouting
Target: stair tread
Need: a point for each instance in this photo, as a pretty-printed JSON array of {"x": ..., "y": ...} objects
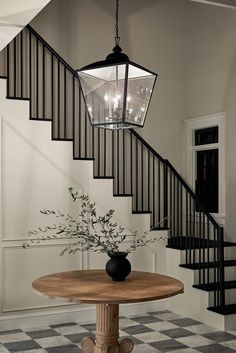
[
  {"x": 141, "y": 212},
  {"x": 18, "y": 98},
  {"x": 159, "y": 228},
  {"x": 103, "y": 177},
  {"x": 211, "y": 286},
  {"x": 123, "y": 195},
  {"x": 229, "y": 309},
  {"x": 212, "y": 264},
  {"x": 181, "y": 243}
]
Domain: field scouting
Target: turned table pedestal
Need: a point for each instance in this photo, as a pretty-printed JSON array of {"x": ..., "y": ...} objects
[{"x": 95, "y": 287}]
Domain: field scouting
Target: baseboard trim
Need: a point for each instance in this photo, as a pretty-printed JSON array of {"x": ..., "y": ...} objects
[{"x": 79, "y": 314}]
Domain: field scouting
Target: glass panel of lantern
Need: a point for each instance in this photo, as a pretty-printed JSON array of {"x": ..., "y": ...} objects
[
  {"x": 139, "y": 91},
  {"x": 117, "y": 96}
]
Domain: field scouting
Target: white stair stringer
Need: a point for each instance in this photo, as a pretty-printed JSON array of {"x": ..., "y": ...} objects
[
  {"x": 35, "y": 174},
  {"x": 194, "y": 302}
]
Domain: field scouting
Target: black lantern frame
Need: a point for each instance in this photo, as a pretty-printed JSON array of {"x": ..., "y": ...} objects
[{"x": 124, "y": 81}]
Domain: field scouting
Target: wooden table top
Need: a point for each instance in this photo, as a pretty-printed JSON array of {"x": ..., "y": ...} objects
[{"x": 95, "y": 287}]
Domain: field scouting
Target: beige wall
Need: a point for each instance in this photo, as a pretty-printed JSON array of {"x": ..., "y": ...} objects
[
  {"x": 190, "y": 45},
  {"x": 210, "y": 49},
  {"x": 210, "y": 77}
]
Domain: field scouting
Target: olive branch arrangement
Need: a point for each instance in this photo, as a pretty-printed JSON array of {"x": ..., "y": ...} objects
[{"x": 90, "y": 232}]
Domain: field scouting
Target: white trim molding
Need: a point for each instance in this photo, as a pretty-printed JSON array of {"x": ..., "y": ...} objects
[
  {"x": 216, "y": 119},
  {"x": 231, "y": 4}
]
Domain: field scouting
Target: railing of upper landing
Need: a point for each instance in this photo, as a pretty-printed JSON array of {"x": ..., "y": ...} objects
[{"x": 36, "y": 72}]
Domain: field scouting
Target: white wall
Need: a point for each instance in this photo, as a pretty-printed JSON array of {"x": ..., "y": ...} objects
[{"x": 35, "y": 174}]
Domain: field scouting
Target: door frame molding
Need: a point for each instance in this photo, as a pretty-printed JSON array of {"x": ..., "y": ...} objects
[{"x": 216, "y": 119}]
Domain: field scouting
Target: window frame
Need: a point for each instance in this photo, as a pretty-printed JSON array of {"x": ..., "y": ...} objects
[{"x": 217, "y": 119}]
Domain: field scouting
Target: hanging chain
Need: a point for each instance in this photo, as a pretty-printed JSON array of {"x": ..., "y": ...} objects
[{"x": 117, "y": 38}]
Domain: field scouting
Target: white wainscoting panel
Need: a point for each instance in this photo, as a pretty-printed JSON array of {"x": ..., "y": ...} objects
[{"x": 22, "y": 266}]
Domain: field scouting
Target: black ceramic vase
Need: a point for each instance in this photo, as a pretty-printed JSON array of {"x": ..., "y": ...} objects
[{"x": 118, "y": 267}]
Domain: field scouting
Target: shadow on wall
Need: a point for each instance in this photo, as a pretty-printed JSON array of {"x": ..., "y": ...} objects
[{"x": 230, "y": 147}]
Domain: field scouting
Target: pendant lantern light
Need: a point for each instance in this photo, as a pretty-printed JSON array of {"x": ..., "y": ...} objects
[{"x": 117, "y": 91}]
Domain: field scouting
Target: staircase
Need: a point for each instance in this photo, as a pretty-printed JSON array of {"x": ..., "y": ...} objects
[{"x": 35, "y": 72}]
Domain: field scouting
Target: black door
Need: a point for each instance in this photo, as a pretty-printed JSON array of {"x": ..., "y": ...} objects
[{"x": 207, "y": 188}]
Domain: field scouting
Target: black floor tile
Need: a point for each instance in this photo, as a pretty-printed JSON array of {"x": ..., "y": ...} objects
[
  {"x": 134, "y": 330},
  {"x": 177, "y": 333},
  {"x": 219, "y": 336},
  {"x": 22, "y": 346},
  {"x": 215, "y": 348},
  {"x": 42, "y": 333},
  {"x": 168, "y": 345},
  {"x": 146, "y": 319}
]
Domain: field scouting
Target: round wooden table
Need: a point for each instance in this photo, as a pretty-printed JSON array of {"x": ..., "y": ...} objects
[{"x": 95, "y": 287}]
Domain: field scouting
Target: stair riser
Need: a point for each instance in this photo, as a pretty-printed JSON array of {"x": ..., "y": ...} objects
[
  {"x": 230, "y": 297},
  {"x": 229, "y": 254},
  {"x": 230, "y": 274}
]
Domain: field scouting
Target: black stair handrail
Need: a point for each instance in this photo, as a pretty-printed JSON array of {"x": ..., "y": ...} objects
[
  {"x": 178, "y": 176},
  {"x": 53, "y": 51},
  {"x": 136, "y": 168}
]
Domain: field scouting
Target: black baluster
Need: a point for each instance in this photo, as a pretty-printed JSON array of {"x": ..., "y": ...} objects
[
  {"x": 221, "y": 267},
  {"x": 177, "y": 212},
  {"x": 37, "y": 78},
  {"x": 118, "y": 160},
  {"x": 200, "y": 245},
  {"x": 113, "y": 152},
  {"x": 73, "y": 112},
  {"x": 21, "y": 65},
  {"x": 8, "y": 71},
  {"x": 171, "y": 206},
  {"x": 99, "y": 152},
  {"x": 80, "y": 123},
  {"x": 105, "y": 152},
  {"x": 142, "y": 179},
  {"x": 208, "y": 251},
  {"x": 137, "y": 174},
  {"x": 59, "y": 100},
  {"x": 165, "y": 195},
  {"x": 159, "y": 191},
  {"x": 65, "y": 104},
  {"x": 176, "y": 239},
  {"x": 181, "y": 211},
  {"x": 204, "y": 248},
  {"x": 186, "y": 229},
  {"x": 149, "y": 180},
  {"x": 15, "y": 67},
  {"x": 86, "y": 133},
  {"x": 154, "y": 190},
  {"x": 124, "y": 162},
  {"x": 52, "y": 86},
  {"x": 190, "y": 228},
  {"x": 194, "y": 231},
  {"x": 43, "y": 81},
  {"x": 93, "y": 144},
  {"x": 131, "y": 162},
  {"x": 215, "y": 267},
  {"x": 30, "y": 73}
]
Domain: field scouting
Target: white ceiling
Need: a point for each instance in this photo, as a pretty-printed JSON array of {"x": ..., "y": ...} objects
[
  {"x": 14, "y": 15},
  {"x": 223, "y": 3}
]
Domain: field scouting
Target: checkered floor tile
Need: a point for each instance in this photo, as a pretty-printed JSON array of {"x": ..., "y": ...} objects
[{"x": 154, "y": 332}]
